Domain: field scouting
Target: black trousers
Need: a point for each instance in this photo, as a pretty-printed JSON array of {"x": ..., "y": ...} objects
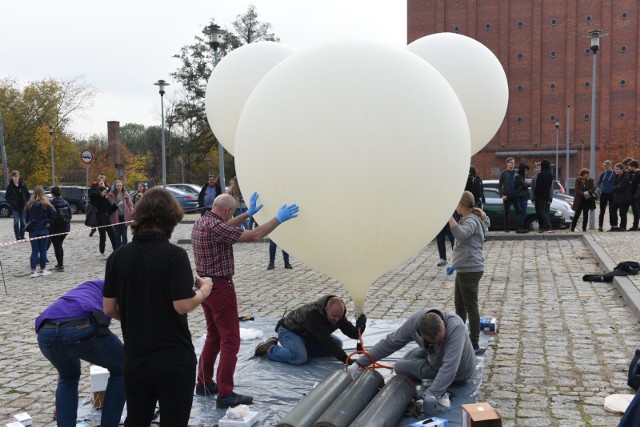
[
  {"x": 621, "y": 209},
  {"x": 56, "y": 241},
  {"x": 507, "y": 208},
  {"x": 103, "y": 220},
  {"x": 607, "y": 199},
  {"x": 542, "y": 212}
]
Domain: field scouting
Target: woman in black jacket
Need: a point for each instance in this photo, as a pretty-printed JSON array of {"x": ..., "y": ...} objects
[
  {"x": 104, "y": 208},
  {"x": 60, "y": 226}
]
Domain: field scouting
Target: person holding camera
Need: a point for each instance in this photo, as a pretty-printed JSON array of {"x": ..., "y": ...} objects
[
  {"x": 584, "y": 198},
  {"x": 75, "y": 328}
]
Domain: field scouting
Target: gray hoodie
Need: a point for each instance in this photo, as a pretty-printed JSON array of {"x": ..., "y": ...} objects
[
  {"x": 454, "y": 357},
  {"x": 469, "y": 234}
]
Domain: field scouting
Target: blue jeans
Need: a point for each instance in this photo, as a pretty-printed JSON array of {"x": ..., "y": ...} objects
[
  {"x": 295, "y": 350},
  {"x": 522, "y": 211},
  {"x": 121, "y": 233},
  {"x": 19, "y": 222},
  {"x": 39, "y": 249},
  {"x": 64, "y": 348}
]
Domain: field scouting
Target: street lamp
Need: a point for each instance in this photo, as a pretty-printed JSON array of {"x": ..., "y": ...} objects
[
  {"x": 557, "y": 124},
  {"x": 214, "y": 33},
  {"x": 566, "y": 182},
  {"x": 53, "y": 168},
  {"x": 161, "y": 85},
  {"x": 594, "y": 36},
  {"x": 182, "y": 159}
]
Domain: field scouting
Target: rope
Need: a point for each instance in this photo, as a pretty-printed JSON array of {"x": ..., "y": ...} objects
[{"x": 374, "y": 363}]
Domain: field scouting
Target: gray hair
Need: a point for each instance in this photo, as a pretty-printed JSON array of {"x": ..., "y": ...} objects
[{"x": 431, "y": 324}]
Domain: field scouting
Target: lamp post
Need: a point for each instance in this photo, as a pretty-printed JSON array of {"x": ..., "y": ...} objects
[
  {"x": 214, "y": 33},
  {"x": 582, "y": 155},
  {"x": 53, "y": 168},
  {"x": 161, "y": 85},
  {"x": 182, "y": 159},
  {"x": 557, "y": 124},
  {"x": 566, "y": 182},
  {"x": 594, "y": 36}
]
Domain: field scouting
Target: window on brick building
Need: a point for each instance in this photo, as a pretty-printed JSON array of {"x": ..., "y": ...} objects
[
  {"x": 588, "y": 18},
  {"x": 624, "y": 15},
  {"x": 554, "y": 22},
  {"x": 487, "y": 26},
  {"x": 587, "y": 84},
  {"x": 622, "y": 115},
  {"x": 520, "y": 55},
  {"x": 553, "y": 86},
  {"x": 519, "y": 120},
  {"x": 623, "y": 82},
  {"x": 552, "y": 54},
  {"x": 586, "y": 117},
  {"x": 520, "y": 24},
  {"x": 623, "y": 48}
]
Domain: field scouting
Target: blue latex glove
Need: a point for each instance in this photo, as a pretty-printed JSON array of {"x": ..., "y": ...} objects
[
  {"x": 450, "y": 270},
  {"x": 253, "y": 209},
  {"x": 287, "y": 212}
]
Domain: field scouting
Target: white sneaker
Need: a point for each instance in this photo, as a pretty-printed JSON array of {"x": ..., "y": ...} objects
[
  {"x": 34, "y": 274},
  {"x": 441, "y": 262},
  {"x": 45, "y": 273}
]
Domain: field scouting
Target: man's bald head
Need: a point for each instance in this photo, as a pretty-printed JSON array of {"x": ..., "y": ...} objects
[
  {"x": 224, "y": 206},
  {"x": 335, "y": 310}
]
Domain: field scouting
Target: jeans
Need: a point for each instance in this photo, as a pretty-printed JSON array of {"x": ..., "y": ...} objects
[
  {"x": 607, "y": 198},
  {"x": 223, "y": 337},
  {"x": 39, "y": 249},
  {"x": 416, "y": 366},
  {"x": 19, "y": 222},
  {"x": 64, "y": 348},
  {"x": 272, "y": 254},
  {"x": 442, "y": 247},
  {"x": 121, "y": 233},
  {"x": 174, "y": 393},
  {"x": 511, "y": 200},
  {"x": 521, "y": 203},
  {"x": 295, "y": 350},
  {"x": 466, "y": 301},
  {"x": 240, "y": 211}
]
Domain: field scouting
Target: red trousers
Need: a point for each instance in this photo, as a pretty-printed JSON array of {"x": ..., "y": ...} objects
[{"x": 223, "y": 336}]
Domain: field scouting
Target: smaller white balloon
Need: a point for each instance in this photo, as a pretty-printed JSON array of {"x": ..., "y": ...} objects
[
  {"x": 477, "y": 77},
  {"x": 233, "y": 80}
]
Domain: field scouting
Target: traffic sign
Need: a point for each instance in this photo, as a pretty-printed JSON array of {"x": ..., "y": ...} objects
[{"x": 86, "y": 156}]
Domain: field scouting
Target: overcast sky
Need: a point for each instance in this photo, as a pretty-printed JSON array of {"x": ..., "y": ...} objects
[{"x": 122, "y": 47}]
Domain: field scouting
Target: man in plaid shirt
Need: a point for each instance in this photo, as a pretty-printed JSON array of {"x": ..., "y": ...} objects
[{"x": 212, "y": 239}]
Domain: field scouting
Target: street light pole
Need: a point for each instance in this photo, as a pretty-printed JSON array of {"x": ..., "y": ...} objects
[
  {"x": 214, "y": 33},
  {"x": 182, "y": 159},
  {"x": 557, "y": 124},
  {"x": 566, "y": 182},
  {"x": 53, "y": 168},
  {"x": 161, "y": 85},
  {"x": 594, "y": 35}
]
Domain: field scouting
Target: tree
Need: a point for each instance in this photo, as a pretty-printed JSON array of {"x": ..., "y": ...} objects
[
  {"x": 28, "y": 112},
  {"x": 187, "y": 115}
]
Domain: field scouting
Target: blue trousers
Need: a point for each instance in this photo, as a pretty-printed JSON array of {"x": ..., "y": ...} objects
[
  {"x": 19, "y": 223},
  {"x": 64, "y": 347},
  {"x": 295, "y": 350},
  {"x": 39, "y": 249}
]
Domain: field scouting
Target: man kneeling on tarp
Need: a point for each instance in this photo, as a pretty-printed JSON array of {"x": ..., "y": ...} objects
[
  {"x": 307, "y": 332},
  {"x": 444, "y": 354}
]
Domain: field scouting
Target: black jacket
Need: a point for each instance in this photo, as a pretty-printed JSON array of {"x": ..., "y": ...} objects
[
  {"x": 544, "y": 182},
  {"x": 310, "y": 322},
  {"x": 17, "y": 196},
  {"x": 203, "y": 191},
  {"x": 622, "y": 190}
]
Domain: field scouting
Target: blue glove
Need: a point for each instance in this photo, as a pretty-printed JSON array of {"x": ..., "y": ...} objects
[
  {"x": 287, "y": 212},
  {"x": 450, "y": 270},
  {"x": 253, "y": 209}
]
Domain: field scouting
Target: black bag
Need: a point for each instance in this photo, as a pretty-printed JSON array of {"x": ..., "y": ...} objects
[
  {"x": 63, "y": 215},
  {"x": 91, "y": 219},
  {"x": 629, "y": 267},
  {"x": 29, "y": 227},
  {"x": 634, "y": 371}
]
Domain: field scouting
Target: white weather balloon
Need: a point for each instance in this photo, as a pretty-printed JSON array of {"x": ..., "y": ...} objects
[
  {"x": 371, "y": 142},
  {"x": 475, "y": 74},
  {"x": 232, "y": 81}
]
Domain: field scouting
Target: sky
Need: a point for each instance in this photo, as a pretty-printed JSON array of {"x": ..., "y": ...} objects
[{"x": 122, "y": 47}]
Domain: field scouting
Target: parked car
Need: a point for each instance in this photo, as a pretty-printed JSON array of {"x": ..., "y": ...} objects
[
  {"x": 494, "y": 208},
  {"x": 187, "y": 188},
  {"x": 76, "y": 196},
  {"x": 5, "y": 207},
  {"x": 557, "y": 203},
  {"x": 188, "y": 201}
]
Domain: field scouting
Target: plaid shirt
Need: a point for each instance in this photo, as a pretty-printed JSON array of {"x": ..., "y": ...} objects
[{"x": 212, "y": 241}]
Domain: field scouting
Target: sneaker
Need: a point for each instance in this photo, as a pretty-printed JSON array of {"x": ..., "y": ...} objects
[
  {"x": 441, "y": 262},
  {"x": 232, "y": 400},
  {"x": 45, "y": 272},
  {"x": 263, "y": 348},
  {"x": 59, "y": 268},
  {"x": 614, "y": 228},
  {"x": 34, "y": 274},
  {"x": 550, "y": 231},
  {"x": 207, "y": 390},
  {"x": 600, "y": 229},
  {"x": 288, "y": 266},
  {"x": 271, "y": 266}
]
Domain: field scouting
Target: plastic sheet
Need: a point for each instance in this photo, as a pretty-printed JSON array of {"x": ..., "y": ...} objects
[{"x": 277, "y": 388}]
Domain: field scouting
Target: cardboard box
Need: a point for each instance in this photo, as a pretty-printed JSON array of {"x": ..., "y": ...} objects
[
  {"x": 97, "y": 399},
  {"x": 480, "y": 415},
  {"x": 14, "y": 424},
  {"x": 431, "y": 422},
  {"x": 250, "y": 419},
  {"x": 23, "y": 418},
  {"x": 99, "y": 378}
]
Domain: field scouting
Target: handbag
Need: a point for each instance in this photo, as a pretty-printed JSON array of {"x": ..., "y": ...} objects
[
  {"x": 29, "y": 227},
  {"x": 91, "y": 219}
]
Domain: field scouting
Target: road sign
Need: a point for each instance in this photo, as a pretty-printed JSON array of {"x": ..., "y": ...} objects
[{"x": 86, "y": 156}]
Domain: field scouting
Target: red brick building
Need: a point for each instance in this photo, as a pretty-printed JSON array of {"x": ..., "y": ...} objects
[{"x": 549, "y": 66}]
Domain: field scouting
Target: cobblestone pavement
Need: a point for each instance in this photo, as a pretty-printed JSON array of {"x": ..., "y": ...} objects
[{"x": 563, "y": 344}]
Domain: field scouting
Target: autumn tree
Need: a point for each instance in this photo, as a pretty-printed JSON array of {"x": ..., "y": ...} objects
[{"x": 186, "y": 117}]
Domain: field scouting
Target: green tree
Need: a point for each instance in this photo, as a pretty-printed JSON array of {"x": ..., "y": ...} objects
[{"x": 186, "y": 117}]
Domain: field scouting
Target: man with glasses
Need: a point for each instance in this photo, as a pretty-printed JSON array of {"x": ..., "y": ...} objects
[
  {"x": 207, "y": 195},
  {"x": 507, "y": 189}
]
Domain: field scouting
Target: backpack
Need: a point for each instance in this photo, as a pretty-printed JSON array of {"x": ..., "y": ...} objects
[{"x": 63, "y": 215}]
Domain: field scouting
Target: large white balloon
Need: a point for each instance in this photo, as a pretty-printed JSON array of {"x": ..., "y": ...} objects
[
  {"x": 475, "y": 74},
  {"x": 231, "y": 83},
  {"x": 371, "y": 142}
]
